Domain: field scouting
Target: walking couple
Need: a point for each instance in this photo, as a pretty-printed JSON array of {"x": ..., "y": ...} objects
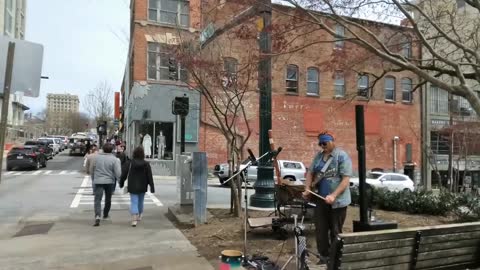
[{"x": 137, "y": 173}]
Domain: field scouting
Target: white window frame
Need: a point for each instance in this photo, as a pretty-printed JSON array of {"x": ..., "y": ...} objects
[
  {"x": 291, "y": 89},
  {"x": 407, "y": 49},
  {"x": 407, "y": 91},
  {"x": 313, "y": 82},
  {"x": 361, "y": 87},
  {"x": 158, "y": 52},
  {"x": 337, "y": 84},
  {"x": 339, "y": 36},
  {"x": 178, "y": 14},
  {"x": 390, "y": 89}
]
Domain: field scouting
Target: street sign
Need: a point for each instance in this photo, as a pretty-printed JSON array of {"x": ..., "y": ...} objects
[
  {"x": 207, "y": 33},
  {"x": 27, "y": 66}
]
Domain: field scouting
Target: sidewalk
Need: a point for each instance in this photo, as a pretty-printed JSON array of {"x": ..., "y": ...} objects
[{"x": 72, "y": 243}]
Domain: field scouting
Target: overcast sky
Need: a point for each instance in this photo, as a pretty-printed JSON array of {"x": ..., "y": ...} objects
[{"x": 85, "y": 42}]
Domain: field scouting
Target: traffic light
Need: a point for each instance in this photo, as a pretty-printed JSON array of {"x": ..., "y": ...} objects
[
  {"x": 102, "y": 128},
  {"x": 180, "y": 106},
  {"x": 172, "y": 69}
]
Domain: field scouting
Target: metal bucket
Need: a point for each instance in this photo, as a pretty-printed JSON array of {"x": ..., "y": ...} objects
[{"x": 231, "y": 260}]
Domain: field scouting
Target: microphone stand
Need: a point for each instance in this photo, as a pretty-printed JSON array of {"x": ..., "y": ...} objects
[{"x": 251, "y": 160}]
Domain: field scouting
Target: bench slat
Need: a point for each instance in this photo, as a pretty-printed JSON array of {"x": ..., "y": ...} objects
[
  {"x": 445, "y": 261},
  {"x": 449, "y": 237},
  {"x": 375, "y": 237},
  {"x": 451, "y": 228},
  {"x": 447, "y": 253},
  {"x": 375, "y": 263},
  {"x": 403, "y": 266},
  {"x": 428, "y": 247},
  {"x": 380, "y": 245},
  {"x": 454, "y": 266},
  {"x": 376, "y": 254}
]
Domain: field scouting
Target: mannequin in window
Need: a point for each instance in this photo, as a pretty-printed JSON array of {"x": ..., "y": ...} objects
[
  {"x": 161, "y": 145},
  {"x": 147, "y": 145}
]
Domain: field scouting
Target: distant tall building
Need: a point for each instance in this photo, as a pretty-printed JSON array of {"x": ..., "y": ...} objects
[
  {"x": 62, "y": 109},
  {"x": 12, "y": 24}
]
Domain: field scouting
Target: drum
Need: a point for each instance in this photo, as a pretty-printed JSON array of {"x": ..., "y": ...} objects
[{"x": 231, "y": 260}]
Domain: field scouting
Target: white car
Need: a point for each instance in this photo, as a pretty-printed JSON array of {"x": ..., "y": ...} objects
[
  {"x": 52, "y": 144},
  {"x": 289, "y": 170},
  {"x": 389, "y": 181}
]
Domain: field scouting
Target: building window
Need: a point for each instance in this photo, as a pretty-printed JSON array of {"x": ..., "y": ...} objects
[
  {"x": 407, "y": 48},
  {"x": 390, "y": 88},
  {"x": 230, "y": 66},
  {"x": 162, "y": 64},
  {"x": 339, "y": 83},
  {"x": 339, "y": 36},
  {"x": 9, "y": 18},
  {"x": 176, "y": 12},
  {"x": 292, "y": 79},
  {"x": 438, "y": 100},
  {"x": 407, "y": 86},
  {"x": 312, "y": 81},
  {"x": 362, "y": 86}
]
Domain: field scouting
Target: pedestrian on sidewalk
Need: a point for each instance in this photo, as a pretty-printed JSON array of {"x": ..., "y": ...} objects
[
  {"x": 89, "y": 163},
  {"x": 138, "y": 174},
  {"x": 106, "y": 170}
]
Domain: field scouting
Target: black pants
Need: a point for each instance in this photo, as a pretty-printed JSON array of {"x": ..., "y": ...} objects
[
  {"x": 328, "y": 224},
  {"x": 99, "y": 188}
]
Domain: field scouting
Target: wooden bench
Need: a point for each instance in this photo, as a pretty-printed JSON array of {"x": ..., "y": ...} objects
[{"x": 452, "y": 246}]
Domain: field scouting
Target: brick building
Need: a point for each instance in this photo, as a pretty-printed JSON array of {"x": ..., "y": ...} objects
[{"x": 313, "y": 88}]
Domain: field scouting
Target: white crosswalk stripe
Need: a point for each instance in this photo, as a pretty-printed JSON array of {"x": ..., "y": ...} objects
[
  {"x": 84, "y": 196},
  {"x": 45, "y": 172}
]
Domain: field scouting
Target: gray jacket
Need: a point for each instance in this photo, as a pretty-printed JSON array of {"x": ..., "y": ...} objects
[{"x": 106, "y": 168}]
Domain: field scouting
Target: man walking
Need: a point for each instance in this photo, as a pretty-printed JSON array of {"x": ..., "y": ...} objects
[
  {"x": 106, "y": 170},
  {"x": 329, "y": 175}
]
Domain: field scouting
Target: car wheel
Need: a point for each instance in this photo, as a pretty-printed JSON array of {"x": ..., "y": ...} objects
[
  {"x": 9, "y": 168},
  {"x": 38, "y": 165},
  {"x": 222, "y": 182},
  {"x": 44, "y": 164},
  {"x": 406, "y": 190},
  {"x": 288, "y": 178}
]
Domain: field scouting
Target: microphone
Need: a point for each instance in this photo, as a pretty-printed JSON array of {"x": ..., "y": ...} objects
[{"x": 251, "y": 155}]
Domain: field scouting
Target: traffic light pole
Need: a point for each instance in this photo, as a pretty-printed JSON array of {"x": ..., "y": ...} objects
[
  {"x": 6, "y": 100},
  {"x": 182, "y": 134},
  {"x": 264, "y": 186}
]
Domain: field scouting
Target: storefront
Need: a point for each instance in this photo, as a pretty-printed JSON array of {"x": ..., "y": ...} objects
[{"x": 151, "y": 124}]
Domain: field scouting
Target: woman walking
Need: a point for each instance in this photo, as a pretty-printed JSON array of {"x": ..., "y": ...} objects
[{"x": 138, "y": 174}]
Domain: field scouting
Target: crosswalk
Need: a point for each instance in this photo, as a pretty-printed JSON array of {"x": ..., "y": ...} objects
[
  {"x": 44, "y": 172},
  {"x": 84, "y": 196}
]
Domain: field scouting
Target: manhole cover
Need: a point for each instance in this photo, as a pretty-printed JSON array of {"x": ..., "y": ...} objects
[
  {"x": 34, "y": 229},
  {"x": 143, "y": 268}
]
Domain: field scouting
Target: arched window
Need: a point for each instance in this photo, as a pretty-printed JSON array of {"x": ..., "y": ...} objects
[
  {"x": 390, "y": 88},
  {"x": 292, "y": 78},
  {"x": 313, "y": 86},
  {"x": 407, "y": 87}
]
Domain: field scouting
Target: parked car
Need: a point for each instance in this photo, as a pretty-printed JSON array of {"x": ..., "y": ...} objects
[
  {"x": 28, "y": 156},
  {"x": 290, "y": 170},
  {"x": 43, "y": 147},
  {"x": 389, "y": 181},
  {"x": 51, "y": 143}
]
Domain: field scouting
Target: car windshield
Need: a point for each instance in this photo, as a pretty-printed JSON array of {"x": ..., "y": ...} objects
[{"x": 373, "y": 175}]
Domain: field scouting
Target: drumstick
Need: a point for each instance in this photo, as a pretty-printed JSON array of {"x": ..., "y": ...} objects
[{"x": 315, "y": 194}]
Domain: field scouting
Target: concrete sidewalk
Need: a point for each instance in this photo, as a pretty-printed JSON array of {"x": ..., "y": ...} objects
[{"x": 72, "y": 243}]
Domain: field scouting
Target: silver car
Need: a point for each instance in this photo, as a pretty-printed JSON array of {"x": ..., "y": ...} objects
[{"x": 290, "y": 170}]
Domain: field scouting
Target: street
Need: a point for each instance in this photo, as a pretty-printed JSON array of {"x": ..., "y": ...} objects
[{"x": 46, "y": 219}]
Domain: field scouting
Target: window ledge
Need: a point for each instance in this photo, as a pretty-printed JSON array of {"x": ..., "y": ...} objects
[
  {"x": 167, "y": 25},
  {"x": 312, "y": 95},
  {"x": 362, "y": 98},
  {"x": 390, "y": 101},
  {"x": 339, "y": 97},
  {"x": 291, "y": 93},
  {"x": 170, "y": 82},
  {"x": 407, "y": 102}
]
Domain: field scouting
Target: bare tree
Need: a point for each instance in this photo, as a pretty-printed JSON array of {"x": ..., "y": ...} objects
[
  {"x": 99, "y": 102},
  {"x": 447, "y": 33}
]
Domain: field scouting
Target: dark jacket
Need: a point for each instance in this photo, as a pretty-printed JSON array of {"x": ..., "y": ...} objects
[
  {"x": 123, "y": 158},
  {"x": 139, "y": 178}
]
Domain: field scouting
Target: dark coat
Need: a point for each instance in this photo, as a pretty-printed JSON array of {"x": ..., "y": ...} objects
[{"x": 139, "y": 178}]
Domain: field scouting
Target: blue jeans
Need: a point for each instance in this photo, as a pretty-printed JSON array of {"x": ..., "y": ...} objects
[{"x": 136, "y": 203}]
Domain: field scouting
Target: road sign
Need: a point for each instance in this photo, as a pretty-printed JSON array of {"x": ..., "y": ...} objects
[{"x": 27, "y": 66}]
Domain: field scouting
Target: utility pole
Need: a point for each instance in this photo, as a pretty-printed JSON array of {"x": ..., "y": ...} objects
[
  {"x": 6, "y": 100},
  {"x": 450, "y": 148},
  {"x": 264, "y": 186}
]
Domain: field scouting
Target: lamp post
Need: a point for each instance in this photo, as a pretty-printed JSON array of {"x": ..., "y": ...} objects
[{"x": 264, "y": 186}]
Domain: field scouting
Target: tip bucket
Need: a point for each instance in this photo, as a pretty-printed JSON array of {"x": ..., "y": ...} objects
[{"x": 231, "y": 260}]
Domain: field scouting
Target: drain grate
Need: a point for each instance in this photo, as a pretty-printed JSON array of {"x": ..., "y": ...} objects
[
  {"x": 143, "y": 268},
  {"x": 34, "y": 229}
]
